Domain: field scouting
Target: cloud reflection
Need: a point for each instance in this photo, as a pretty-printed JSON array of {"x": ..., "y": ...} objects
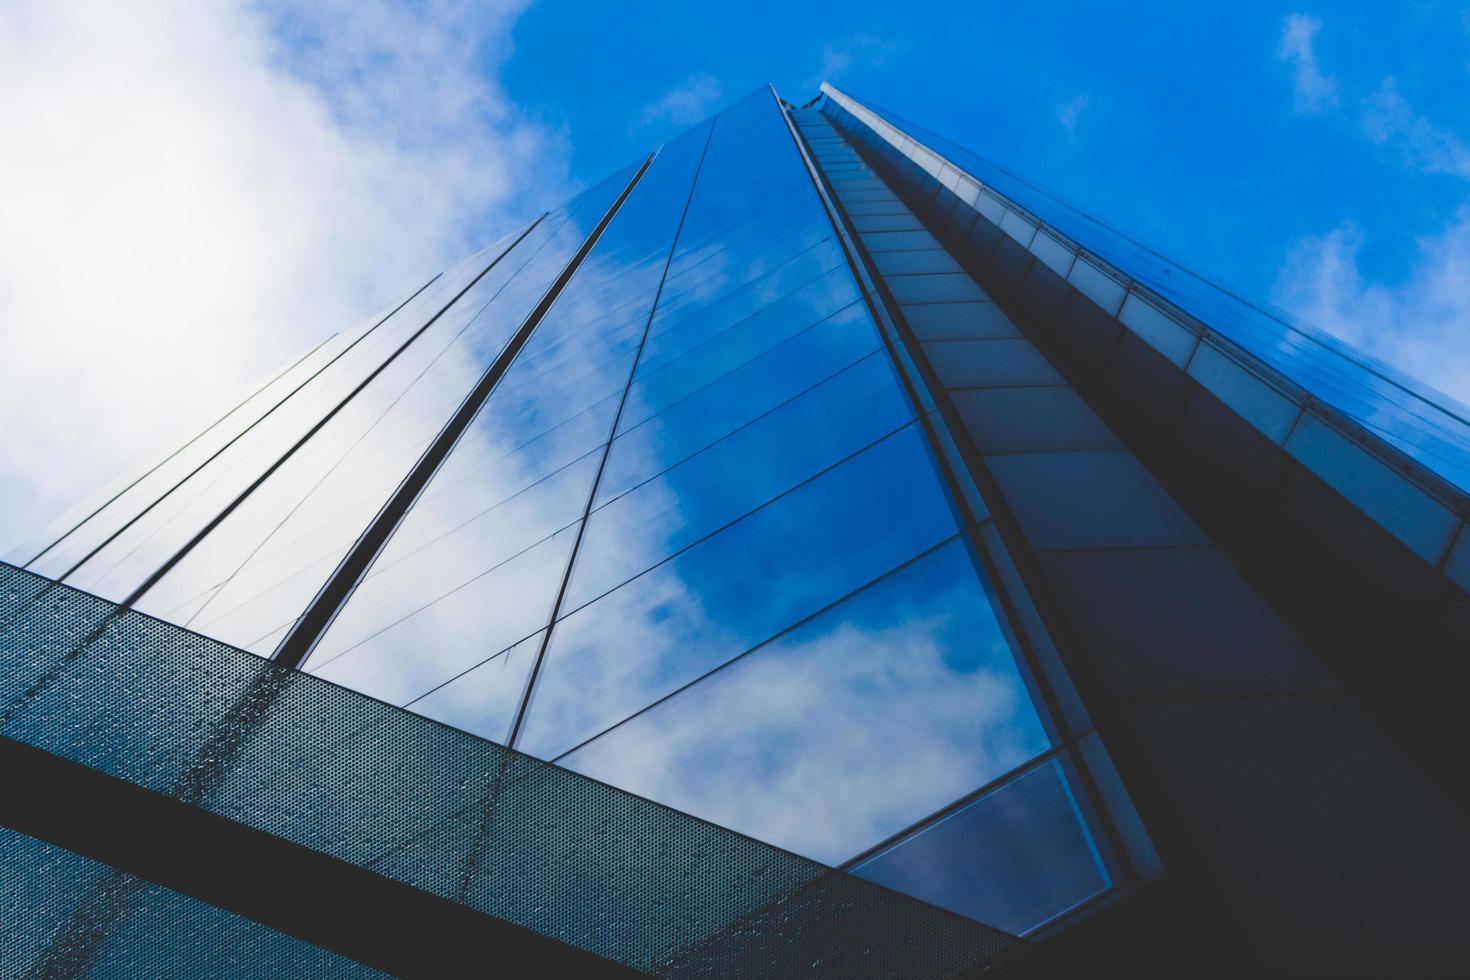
[{"x": 846, "y": 730}]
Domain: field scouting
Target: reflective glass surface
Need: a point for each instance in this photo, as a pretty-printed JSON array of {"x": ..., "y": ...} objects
[
  {"x": 70, "y": 542},
  {"x": 760, "y": 575},
  {"x": 238, "y": 417},
  {"x": 267, "y": 560},
  {"x": 1425, "y": 424},
  {"x": 148, "y": 538},
  {"x": 1017, "y": 857},
  {"x": 781, "y": 449},
  {"x": 845, "y": 730},
  {"x": 695, "y": 542},
  {"x": 479, "y": 560}
]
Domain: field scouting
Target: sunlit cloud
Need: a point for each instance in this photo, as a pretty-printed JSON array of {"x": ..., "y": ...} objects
[
  {"x": 692, "y": 100},
  {"x": 198, "y": 192},
  {"x": 1312, "y": 89},
  {"x": 1070, "y": 113},
  {"x": 1417, "y": 324},
  {"x": 1389, "y": 120}
]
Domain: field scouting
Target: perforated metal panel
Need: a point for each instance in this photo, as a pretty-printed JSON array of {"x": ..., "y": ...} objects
[
  {"x": 447, "y": 812},
  {"x": 164, "y": 934}
]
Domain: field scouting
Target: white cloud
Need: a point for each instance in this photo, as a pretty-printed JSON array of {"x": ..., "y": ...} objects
[
  {"x": 197, "y": 192},
  {"x": 1069, "y": 113},
  {"x": 697, "y": 97},
  {"x": 1421, "y": 324},
  {"x": 1312, "y": 90},
  {"x": 861, "y": 51},
  {"x": 1388, "y": 119}
]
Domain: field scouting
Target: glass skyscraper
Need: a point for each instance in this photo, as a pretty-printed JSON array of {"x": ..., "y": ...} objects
[{"x": 813, "y": 550}]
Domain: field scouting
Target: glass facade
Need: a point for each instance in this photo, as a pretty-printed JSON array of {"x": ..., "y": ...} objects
[
  {"x": 1424, "y": 424},
  {"x": 698, "y": 538}
]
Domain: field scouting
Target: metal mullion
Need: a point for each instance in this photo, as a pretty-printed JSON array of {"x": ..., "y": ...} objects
[
  {"x": 216, "y": 454},
  {"x": 282, "y": 372},
  {"x": 885, "y": 310},
  {"x": 535, "y": 671},
  {"x": 308, "y": 498},
  {"x": 234, "y": 439},
  {"x": 324, "y": 607},
  {"x": 259, "y": 481}
]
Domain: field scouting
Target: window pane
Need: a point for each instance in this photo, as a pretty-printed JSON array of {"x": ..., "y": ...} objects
[
  {"x": 743, "y": 395},
  {"x": 471, "y": 563},
  {"x": 844, "y": 731},
  {"x": 736, "y": 589},
  {"x": 752, "y": 465},
  {"x": 1015, "y": 858},
  {"x": 484, "y": 701},
  {"x": 402, "y": 658}
]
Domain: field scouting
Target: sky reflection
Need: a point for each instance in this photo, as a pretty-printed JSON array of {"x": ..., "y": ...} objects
[
  {"x": 693, "y": 544},
  {"x": 845, "y": 730}
]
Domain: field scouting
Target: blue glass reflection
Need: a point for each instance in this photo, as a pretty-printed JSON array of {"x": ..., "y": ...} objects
[
  {"x": 689, "y": 423},
  {"x": 1015, "y": 858},
  {"x": 484, "y": 700},
  {"x": 399, "y": 654},
  {"x": 845, "y": 730},
  {"x": 769, "y": 617},
  {"x": 1427, "y": 425},
  {"x": 793, "y": 443},
  {"x": 733, "y": 590},
  {"x": 478, "y": 562}
]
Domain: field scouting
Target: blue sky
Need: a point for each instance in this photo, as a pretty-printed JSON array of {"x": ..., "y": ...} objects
[
  {"x": 208, "y": 189},
  {"x": 1318, "y": 157}
]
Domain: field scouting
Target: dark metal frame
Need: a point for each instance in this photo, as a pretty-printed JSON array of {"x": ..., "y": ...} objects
[
  {"x": 965, "y": 479},
  {"x": 530, "y": 686},
  {"x": 298, "y": 643},
  {"x": 275, "y": 376},
  {"x": 213, "y": 456}
]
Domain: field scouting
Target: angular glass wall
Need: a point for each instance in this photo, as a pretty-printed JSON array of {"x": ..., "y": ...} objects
[
  {"x": 236, "y": 452},
  {"x": 695, "y": 543},
  {"x": 477, "y": 564},
  {"x": 254, "y": 573},
  {"x": 1424, "y": 424}
]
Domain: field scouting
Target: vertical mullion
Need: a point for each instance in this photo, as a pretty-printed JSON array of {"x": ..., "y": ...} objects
[
  {"x": 259, "y": 481},
  {"x": 874, "y": 287},
  {"x": 215, "y": 455},
  {"x": 197, "y": 436},
  {"x": 318, "y": 616},
  {"x": 531, "y": 677}
]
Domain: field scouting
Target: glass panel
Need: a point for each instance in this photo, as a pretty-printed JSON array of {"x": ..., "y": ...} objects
[
  {"x": 1015, "y": 858},
  {"x": 793, "y": 443},
  {"x": 1425, "y": 424},
  {"x": 398, "y": 655},
  {"x": 265, "y": 426},
  {"x": 139, "y": 549},
  {"x": 674, "y": 335},
  {"x": 473, "y": 552},
  {"x": 845, "y": 730},
  {"x": 70, "y": 541},
  {"x": 435, "y": 559},
  {"x": 744, "y": 394},
  {"x": 484, "y": 700},
  {"x": 687, "y": 370},
  {"x": 269, "y": 558},
  {"x": 719, "y": 598}
]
